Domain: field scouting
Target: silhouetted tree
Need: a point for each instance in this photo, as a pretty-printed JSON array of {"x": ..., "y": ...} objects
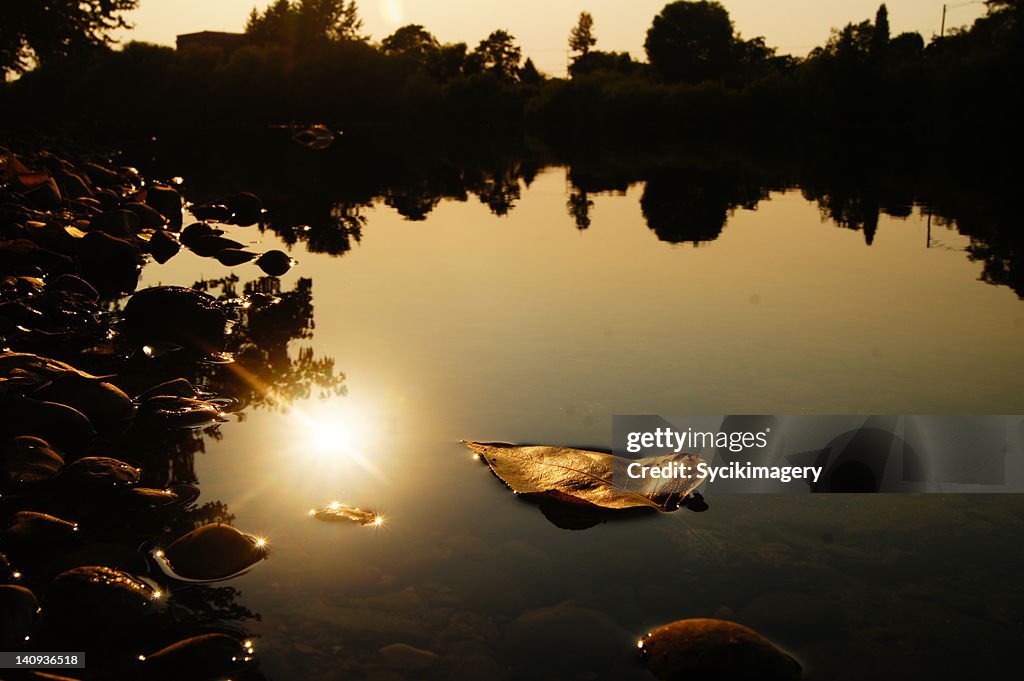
[
  {"x": 690, "y": 41},
  {"x": 498, "y": 54},
  {"x": 412, "y": 42},
  {"x": 880, "y": 32},
  {"x": 597, "y": 60},
  {"x": 581, "y": 37},
  {"x": 301, "y": 22},
  {"x": 906, "y": 46},
  {"x": 529, "y": 73},
  {"x": 38, "y": 31}
]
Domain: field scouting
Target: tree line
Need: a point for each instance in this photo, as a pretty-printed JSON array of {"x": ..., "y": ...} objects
[{"x": 309, "y": 60}]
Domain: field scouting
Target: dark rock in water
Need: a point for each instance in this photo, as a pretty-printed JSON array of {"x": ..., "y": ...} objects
[
  {"x": 210, "y": 245},
  {"x": 104, "y": 404},
  {"x": 27, "y": 459},
  {"x": 234, "y": 256},
  {"x": 108, "y": 263},
  {"x": 215, "y": 212},
  {"x": 71, "y": 185},
  {"x": 43, "y": 196},
  {"x": 99, "y": 473},
  {"x": 214, "y": 552},
  {"x": 173, "y": 314},
  {"x": 79, "y": 599},
  {"x": 108, "y": 199},
  {"x": 102, "y": 177},
  {"x": 117, "y": 222},
  {"x": 246, "y": 208},
  {"x": 149, "y": 217},
  {"x": 31, "y": 535},
  {"x": 209, "y": 657},
  {"x": 115, "y": 556},
  {"x": 18, "y": 610},
  {"x": 178, "y": 387},
  {"x": 275, "y": 263},
  {"x": 573, "y": 641},
  {"x": 197, "y": 230},
  {"x": 147, "y": 497},
  {"x": 25, "y": 257},
  {"x": 167, "y": 201},
  {"x": 162, "y": 246},
  {"x": 715, "y": 650},
  {"x": 58, "y": 424},
  {"x": 171, "y": 411},
  {"x": 70, "y": 283}
]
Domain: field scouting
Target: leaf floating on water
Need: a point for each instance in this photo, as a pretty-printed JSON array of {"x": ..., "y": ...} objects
[
  {"x": 338, "y": 512},
  {"x": 590, "y": 478}
]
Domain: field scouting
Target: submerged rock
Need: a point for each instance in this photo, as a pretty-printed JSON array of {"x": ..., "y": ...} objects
[
  {"x": 78, "y": 600},
  {"x": 100, "y": 473},
  {"x": 170, "y": 411},
  {"x": 32, "y": 535},
  {"x": 715, "y": 650},
  {"x": 58, "y": 424},
  {"x": 104, "y": 404},
  {"x": 70, "y": 283},
  {"x": 206, "y": 657},
  {"x": 173, "y": 314},
  {"x": 18, "y": 610},
  {"x": 214, "y": 552},
  {"x": 28, "y": 459},
  {"x": 179, "y": 387},
  {"x": 118, "y": 222}
]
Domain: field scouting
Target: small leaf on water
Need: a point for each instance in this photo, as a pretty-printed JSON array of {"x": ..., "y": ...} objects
[
  {"x": 339, "y": 512},
  {"x": 590, "y": 478}
]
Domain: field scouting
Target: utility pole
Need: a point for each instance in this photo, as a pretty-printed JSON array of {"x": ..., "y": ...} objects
[{"x": 942, "y": 26}]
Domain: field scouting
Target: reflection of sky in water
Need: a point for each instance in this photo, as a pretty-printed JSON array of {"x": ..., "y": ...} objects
[{"x": 521, "y": 328}]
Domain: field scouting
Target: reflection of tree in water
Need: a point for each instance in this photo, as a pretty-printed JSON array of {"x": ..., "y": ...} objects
[
  {"x": 579, "y": 205},
  {"x": 331, "y": 231},
  {"x": 851, "y": 211},
  {"x": 692, "y": 205},
  {"x": 497, "y": 188},
  {"x": 264, "y": 374}
]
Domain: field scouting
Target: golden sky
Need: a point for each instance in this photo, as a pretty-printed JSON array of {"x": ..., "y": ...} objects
[{"x": 542, "y": 26}]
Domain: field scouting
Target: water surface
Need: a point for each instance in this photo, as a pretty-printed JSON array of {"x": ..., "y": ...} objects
[{"x": 522, "y": 327}]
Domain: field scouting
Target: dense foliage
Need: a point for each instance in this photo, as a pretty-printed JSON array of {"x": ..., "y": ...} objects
[{"x": 307, "y": 61}]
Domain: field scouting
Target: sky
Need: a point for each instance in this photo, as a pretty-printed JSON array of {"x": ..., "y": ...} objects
[{"x": 542, "y": 26}]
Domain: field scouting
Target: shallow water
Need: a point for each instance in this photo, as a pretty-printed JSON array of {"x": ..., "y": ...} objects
[{"x": 521, "y": 327}]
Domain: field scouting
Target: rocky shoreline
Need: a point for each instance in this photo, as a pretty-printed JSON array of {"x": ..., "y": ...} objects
[{"x": 102, "y": 547}]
